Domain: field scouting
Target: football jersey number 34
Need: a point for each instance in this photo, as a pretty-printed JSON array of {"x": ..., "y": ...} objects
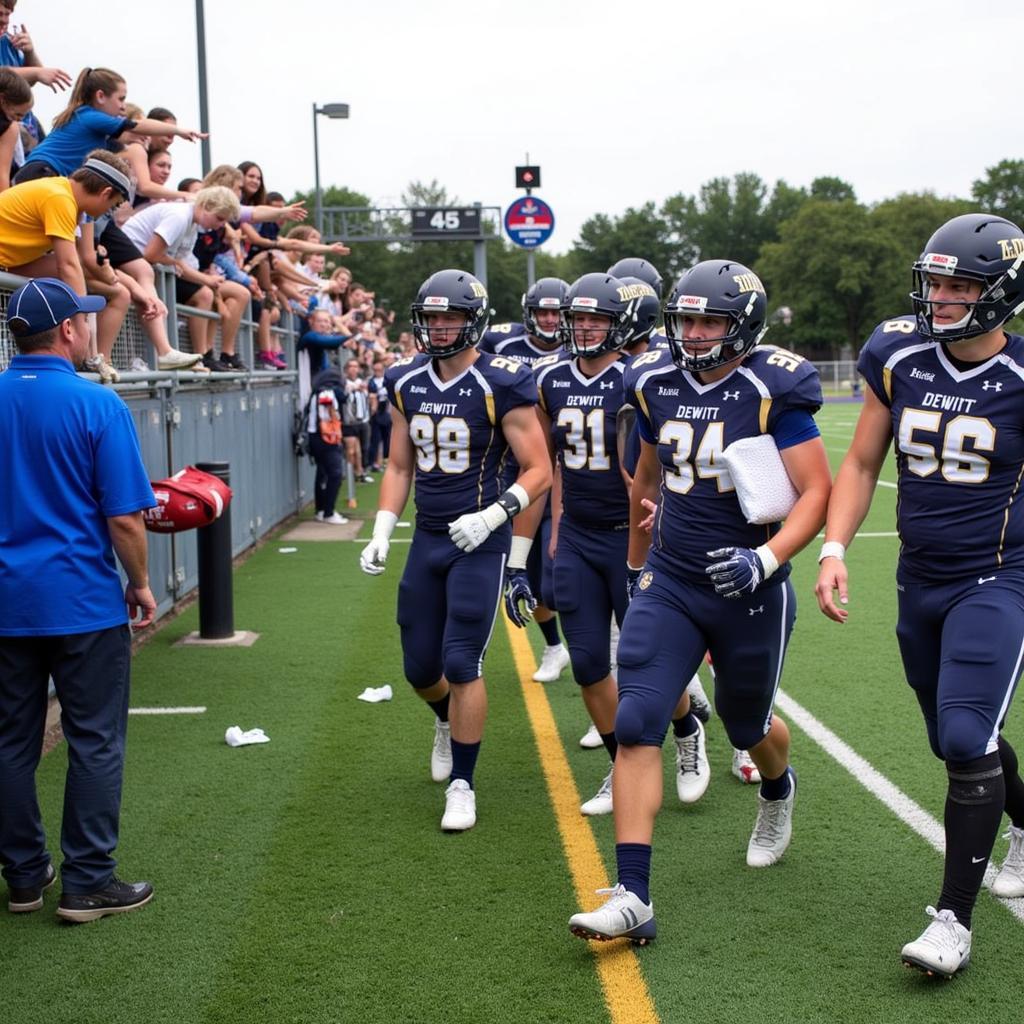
[{"x": 680, "y": 436}]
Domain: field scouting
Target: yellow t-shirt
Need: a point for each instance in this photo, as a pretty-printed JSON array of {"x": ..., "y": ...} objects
[{"x": 31, "y": 214}]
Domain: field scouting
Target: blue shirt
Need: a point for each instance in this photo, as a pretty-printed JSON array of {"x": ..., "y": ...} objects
[
  {"x": 69, "y": 460},
  {"x": 958, "y": 431},
  {"x": 691, "y": 423},
  {"x": 66, "y": 148},
  {"x": 455, "y": 429}
]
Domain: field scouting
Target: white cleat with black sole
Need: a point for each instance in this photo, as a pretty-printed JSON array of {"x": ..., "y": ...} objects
[
  {"x": 942, "y": 949},
  {"x": 622, "y": 916}
]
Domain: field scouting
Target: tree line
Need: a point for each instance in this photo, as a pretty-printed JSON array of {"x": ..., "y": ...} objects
[{"x": 839, "y": 265}]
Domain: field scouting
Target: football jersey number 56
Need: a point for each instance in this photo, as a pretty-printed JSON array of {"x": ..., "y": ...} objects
[{"x": 680, "y": 435}]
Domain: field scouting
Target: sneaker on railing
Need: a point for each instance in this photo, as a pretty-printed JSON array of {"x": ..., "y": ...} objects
[
  {"x": 233, "y": 362},
  {"x": 98, "y": 364},
  {"x": 175, "y": 359}
]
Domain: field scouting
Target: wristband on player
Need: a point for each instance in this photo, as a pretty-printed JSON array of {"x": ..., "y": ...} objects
[
  {"x": 768, "y": 560},
  {"x": 514, "y": 500},
  {"x": 832, "y": 549},
  {"x": 384, "y": 524},
  {"x": 519, "y": 552}
]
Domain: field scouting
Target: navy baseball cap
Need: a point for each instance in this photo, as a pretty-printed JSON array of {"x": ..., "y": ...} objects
[{"x": 44, "y": 303}]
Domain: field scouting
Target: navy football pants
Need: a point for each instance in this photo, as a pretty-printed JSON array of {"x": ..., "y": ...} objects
[
  {"x": 962, "y": 645},
  {"x": 447, "y": 603},
  {"x": 669, "y": 626}
]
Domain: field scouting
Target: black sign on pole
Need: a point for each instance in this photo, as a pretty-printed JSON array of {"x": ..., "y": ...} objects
[
  {"x": 528, "y": 176},
  {"x": 439, "y": 222}
]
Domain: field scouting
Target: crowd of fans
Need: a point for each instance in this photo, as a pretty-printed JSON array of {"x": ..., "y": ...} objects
[{"x": 93, "y": 201}]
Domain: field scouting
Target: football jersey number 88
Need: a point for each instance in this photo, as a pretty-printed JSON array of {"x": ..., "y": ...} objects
[
  {"x": 445, "y": 446},
  {"x": 681, "y": 435}
]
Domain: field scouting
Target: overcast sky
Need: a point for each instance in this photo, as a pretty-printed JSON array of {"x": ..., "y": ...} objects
[{"x": 620, "y": 103}]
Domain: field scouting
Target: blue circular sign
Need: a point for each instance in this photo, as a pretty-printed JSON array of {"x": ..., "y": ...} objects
[{"x": 529, "y": 222}]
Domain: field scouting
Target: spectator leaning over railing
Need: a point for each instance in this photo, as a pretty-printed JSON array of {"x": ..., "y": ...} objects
[
  {"x": 15, "y": 104},
  {"x": 137, "y": 152},
  {"x": 18, "y": 52},
  {"x": 318, "y": 340},
  {"x": 38, "y": 219},
  {"x": 166, "y": 233},
  {"x": 93, "y": 116}
]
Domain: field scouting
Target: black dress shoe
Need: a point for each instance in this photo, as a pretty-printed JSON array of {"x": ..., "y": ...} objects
[
  {"x": 22, "y": 900},
  {"x": 116, "y": 898}
]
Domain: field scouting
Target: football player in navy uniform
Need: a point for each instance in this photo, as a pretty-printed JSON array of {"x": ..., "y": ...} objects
[
  {"x": 455, "y": 413},
  {"x": 579, "y": 402},
  {"x": 947, "y": 386},
  {"x": 705, "y": 578},
  {"x": 538, "y": 337}
]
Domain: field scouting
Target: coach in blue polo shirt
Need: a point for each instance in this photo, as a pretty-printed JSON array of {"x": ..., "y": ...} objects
[{"x": 72, "y": 487}]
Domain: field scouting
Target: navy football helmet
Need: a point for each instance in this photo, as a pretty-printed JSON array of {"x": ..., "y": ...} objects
[
  {"x": 604, "y": 295},
  {"x": 979, "y": 247},
  {"x": 717, "y": 288},
  {"x": 547, "y": 293},
  {"x": 633, "y": 266},
  {"x": 450, "y": 291},
  {"x": 648, "y": 309}
]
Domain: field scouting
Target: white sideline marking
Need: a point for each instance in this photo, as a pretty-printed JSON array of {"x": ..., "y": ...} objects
[
  {"x": 907, "y": 810},
  {"x": 167, "y": 711}
]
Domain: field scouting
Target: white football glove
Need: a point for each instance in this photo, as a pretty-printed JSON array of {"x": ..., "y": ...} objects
[
  {"x": 471, "y": 530},
  {"x": 375, "y": 554}
]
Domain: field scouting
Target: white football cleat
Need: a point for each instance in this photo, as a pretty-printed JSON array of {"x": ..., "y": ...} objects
[
  {"x": 591, "y": 739},
  {"x": 699, "y": 703},
  {"x": 743, "y": 767},
  {"x": 459, "y": 807},
  {"x": 601, "y": 801},
  {"x": 1009, "y": 883},
  {"x": 622, "y": 916},
  {"x": 693, "y": 773},
  {"x": 555, "y": 659},
  {"x": 773, "y": 828},
  {"x": 943, "y": 948},
  {"x": 441, "y": 754}
]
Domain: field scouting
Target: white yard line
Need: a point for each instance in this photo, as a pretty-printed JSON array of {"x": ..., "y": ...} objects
[
  {"x": 167, "y": 711},
  {"x": 907, "y": 810}
]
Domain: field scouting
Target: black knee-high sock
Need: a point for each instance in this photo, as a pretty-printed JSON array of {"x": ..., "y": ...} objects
[
  {"x": 550, "y": 631},
  {"x": 1014, "y": 805},
  {"x": 440, "y": 707},
  {"x": 974, "y": 808}
]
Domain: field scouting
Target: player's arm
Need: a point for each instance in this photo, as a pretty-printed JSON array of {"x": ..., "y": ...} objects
[
  {"x": 526, "y": 524},
  {"x": 524, "y": 436},
  {"x": 645, "y": 485},
  {"x": 522, "y": 429},
  {"x": 394, "y": 493},
  {"x": 807, "y": 466},
  {"x": 851, "y": 498},
  {"x": 625, "y": 426}
]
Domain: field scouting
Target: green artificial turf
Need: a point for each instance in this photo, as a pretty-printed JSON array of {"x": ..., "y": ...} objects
[{"x": 306, "y": 880}]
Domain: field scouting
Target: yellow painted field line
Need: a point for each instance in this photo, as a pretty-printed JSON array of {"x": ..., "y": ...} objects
[{"x": 625, "y": 990}]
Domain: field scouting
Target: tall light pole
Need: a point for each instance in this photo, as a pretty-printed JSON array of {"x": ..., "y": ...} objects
[
  {"x": 334, "y": 111},
  {"x": 204, "y": 111}
]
